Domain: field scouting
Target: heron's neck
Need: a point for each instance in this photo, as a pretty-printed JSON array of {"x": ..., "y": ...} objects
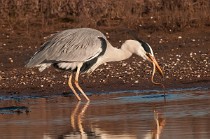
[{"x": 115, "y": 54}]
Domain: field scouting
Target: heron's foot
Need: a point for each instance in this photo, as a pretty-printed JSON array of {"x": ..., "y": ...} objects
[
  {"x": 80, "y": 89},
  {"x": 77, "y": 95}
]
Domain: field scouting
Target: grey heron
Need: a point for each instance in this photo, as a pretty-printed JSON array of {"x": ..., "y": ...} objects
[{"x": 83, "y": 50}]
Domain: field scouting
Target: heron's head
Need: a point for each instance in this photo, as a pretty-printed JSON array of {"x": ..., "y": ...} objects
[
  {"x": 144, "y": 50},
  {"x": 149, "y": 55}
]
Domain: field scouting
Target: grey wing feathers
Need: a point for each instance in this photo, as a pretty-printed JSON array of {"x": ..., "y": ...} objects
[
  {"x": 73, "y": 45},
  {"x": 39, "y": 56}
]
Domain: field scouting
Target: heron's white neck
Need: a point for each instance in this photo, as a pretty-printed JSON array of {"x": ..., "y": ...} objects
[{"x": 115, "y": 54}]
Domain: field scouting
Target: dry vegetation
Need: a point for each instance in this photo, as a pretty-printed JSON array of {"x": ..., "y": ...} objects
[{"x": 168, "y": 15}]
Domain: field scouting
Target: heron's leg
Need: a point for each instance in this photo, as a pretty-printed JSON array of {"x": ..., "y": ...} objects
[
  {"x": 72, "y": 88},
  {"x": 77, "y": 82}
]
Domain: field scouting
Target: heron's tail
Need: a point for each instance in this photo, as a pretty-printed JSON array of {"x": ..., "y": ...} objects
[
  {"x": 39, "y": 57},
  {"x": 36, "y": 60}
]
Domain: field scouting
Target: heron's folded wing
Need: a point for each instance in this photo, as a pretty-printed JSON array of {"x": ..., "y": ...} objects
[
  {"x": 69, "y": 46},
  {"x": 80, "y": 46}
]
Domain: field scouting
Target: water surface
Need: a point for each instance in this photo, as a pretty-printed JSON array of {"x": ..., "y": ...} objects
[{"x": 125, "y": 115}]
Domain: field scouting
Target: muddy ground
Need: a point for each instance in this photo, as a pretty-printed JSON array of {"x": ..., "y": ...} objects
[{"x": 184, "y": 57}]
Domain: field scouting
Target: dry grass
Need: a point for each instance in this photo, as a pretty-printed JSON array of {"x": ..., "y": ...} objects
[{"x": 168, "y": 15}]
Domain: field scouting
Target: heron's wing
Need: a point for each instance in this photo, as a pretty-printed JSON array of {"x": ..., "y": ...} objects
[
  {"x": 78, "y": 46},
  {"x": 74, "y": 45}
]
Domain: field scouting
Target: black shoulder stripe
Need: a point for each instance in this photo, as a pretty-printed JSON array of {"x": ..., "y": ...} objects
[
  {"x": 88, "y": 64},
  {"x": 103, "y": 45}
]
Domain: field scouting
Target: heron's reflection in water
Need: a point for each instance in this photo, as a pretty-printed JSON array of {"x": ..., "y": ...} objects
[
  {"x": 77, "y": 123},
  {"x": 77, "y": 118},
  {"x": 160, "y": 124}
]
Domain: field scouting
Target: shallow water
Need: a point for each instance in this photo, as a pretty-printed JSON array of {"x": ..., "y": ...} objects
[{"x": 125, "y": 115}]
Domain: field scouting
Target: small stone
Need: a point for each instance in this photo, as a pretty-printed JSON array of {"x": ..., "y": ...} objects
[
  {"x": 11, "y": 60},
  {"x": 124, "y": 64},
  {"x": 191, "y": 54}
]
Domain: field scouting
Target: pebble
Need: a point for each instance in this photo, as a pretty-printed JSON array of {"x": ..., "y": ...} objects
[
  {"x": 11, "y": 60},
  {"x": 191, "y": 54}
]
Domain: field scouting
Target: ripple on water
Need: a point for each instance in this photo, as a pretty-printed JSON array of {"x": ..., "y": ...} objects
[{"x": 159, "y": 96}]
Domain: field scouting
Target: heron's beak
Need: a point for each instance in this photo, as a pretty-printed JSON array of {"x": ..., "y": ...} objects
[{"x": 155, "y": 64}]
